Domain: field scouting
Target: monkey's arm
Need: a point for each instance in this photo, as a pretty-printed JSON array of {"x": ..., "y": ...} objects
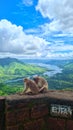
[
  {"x": 41, "y": 88},
  {"x": 26, "y": 88}
]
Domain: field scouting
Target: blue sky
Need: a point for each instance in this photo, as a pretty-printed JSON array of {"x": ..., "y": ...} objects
[{"x": 36, "y": 29}]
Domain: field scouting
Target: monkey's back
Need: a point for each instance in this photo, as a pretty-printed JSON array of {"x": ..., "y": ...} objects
[
  {"x": 42, "y": 82},
  {"x": 34, "y": 88}
]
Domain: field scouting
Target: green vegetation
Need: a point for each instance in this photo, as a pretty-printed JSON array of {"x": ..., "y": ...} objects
[
  {"x": 64, "y": 80},
  {"x": 7, "y": 89},
  {"x": 14, "y": 71},
  {"x": 9, "y": 75}
]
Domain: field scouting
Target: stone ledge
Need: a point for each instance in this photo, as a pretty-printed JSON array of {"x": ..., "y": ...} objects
[
  {"x": 51, "y": 96},
  {"x": 51, "y": 110},
  {"x": 60, "y": 94}
]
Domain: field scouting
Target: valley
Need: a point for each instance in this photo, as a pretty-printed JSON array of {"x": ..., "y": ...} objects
[{"x": 59, "y": 74}]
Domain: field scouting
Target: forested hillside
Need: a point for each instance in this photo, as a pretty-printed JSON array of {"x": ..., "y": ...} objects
[
  {"x": 11, "y": 76},
  {"x": 63, "y": 80},
  {"x": 12, "y": 72}
]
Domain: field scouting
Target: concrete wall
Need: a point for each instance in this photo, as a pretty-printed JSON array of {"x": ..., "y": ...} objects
[{"x": 50, "y": 111}]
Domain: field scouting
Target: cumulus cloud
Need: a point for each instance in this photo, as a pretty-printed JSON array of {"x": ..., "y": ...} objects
[
  {"x": 14, "y": 41},
  {"x": 60, "y": 12}
]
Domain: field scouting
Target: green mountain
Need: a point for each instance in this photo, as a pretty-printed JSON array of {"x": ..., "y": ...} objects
[
  {"x": 63, "y": 80},
  {"x": 12, "y": 74},
  {"x": 68, "y": 66},
  {"x": 7, "y": 61},
  {"x": 16, "y": 70},
  {"x": 11, "y": 68}
]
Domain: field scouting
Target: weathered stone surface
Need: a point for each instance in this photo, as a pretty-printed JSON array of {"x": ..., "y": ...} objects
[
  {"x": 2, "y": 113},
  {"x": 48, "y": 111},
  {"x": 38, "y": 124},
  {"x": 12, "y": 128},
  {"x": 56, "y": 124},
  {"x": 59, "y": 96},
  {"x": 69, "y": 125},
  {"x": 16, "y": 115},
  {"x": 39, "y": 111}
]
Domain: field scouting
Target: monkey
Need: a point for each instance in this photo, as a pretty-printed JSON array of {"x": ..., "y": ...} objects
[
  {"x": 31, "y": 85},
  {"x": 41, "y": 83}
]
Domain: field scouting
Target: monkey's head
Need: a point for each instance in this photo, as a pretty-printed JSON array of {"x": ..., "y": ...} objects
[
  {"x": 36, "y": 79},
  {"x": 25, "y": 80}
]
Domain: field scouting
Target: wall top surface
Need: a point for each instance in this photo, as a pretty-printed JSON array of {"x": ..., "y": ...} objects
[{"x": 50, "y": 95}]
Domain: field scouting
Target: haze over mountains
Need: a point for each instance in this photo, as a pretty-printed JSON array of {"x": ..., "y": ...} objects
[
  {"x": 7, "y": 61},
  {"x": 47, "y": 61}
]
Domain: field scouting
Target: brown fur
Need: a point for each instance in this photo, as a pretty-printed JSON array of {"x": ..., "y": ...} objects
[
  {"x": 41, "y": 83},
  {"x": 31, "y": 85}
]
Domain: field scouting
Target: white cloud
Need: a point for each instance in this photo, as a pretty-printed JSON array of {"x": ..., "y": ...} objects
[
  {"x": 61, "y": 47},
  {"x": 27, "y": 2},
  {"x": 60, "y": 12},
  {"x": 60, "y": 55},
  {"x": 14, "y": 41},
  {"x": 59, "y": 51}
]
